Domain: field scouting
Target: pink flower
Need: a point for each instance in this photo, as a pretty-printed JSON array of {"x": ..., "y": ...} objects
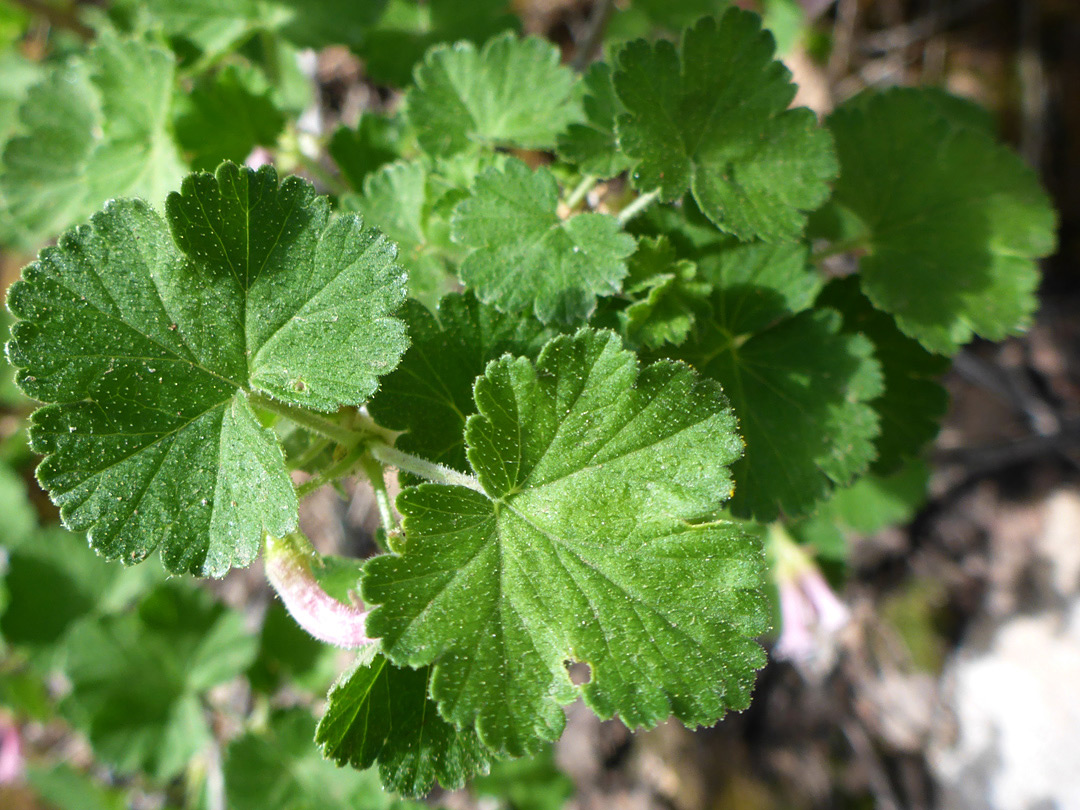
[
  {"x": 11, "y": 757},
  {"x": 810, "y": 613}
]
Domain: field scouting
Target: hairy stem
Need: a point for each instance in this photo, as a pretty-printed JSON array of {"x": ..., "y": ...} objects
[
  {"x": 339, "y": 469},
  {"x": 310, "y": 420},
  {"x": 637, "y": 206},
  {"x": 374, "y": 471},
  {"x": 436, "y": 473},
  {"x": 588, "y": 182}
]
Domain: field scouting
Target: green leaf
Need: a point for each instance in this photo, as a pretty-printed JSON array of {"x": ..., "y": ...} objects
[
  {"x": 64, "y": 788},
  {"x": 136, "y": 678},
  {"x": 281, "y": 769},
  {"x": 288, "y": 655},
  {"x": 713, "y": 117},
  {"x": 226, "y": 115},
  {"x": 359, "y": 152},
  {"x": 54, "y": 579},
  {"x": 430, "y": 394},
  {"x": 800, "y": 389},
  {"x": 408, "y": 28},
  {"x": 20, "y": 74},
  {"x": 513, "y": 92},
  {"x": 593, "y": 145},
  {"x": 318, "y": 23},
  {"x": 594, "y": 476},
  {"x": 951, "y": 220},
  {"x": 213, "y": 26},
  {"x": 876, "y": 501},
  {"x": 89, "y": 134},
  {"x": 914, "y": 401},
  {"x": 411, "y": 204},
  {"x": 20, "y": 520},
  {"x": 530, "y": 783},
  {"x": 667, "y": 291},
  {"x": 759, "y": 284},
  {"x": 871, "y": 504},
  {"x": 146, "y": 338},
  {"x": 525, "y": 257},
  {"x": 379, "y": 713}
]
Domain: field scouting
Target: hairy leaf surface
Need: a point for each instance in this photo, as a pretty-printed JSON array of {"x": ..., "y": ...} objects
[
  {"x": 595, "y": 474},
  {"x": 430, "y": 394},
  {"x": 712, "y": 116},
  {"x": 145, "y": 338},
  {"x": 512, "y": 92},
  {"x": 525, "y": 257},
  {"x": 379, "y": 713}
]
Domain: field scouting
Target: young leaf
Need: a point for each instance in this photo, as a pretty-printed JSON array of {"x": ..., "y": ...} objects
[
  {"x": 595, "y": 475},
  {"x": 90, "y": 134},
  {"x": 668, "y": 290},
  {"x": 429, "y": 395},
  {"x": 951, "y": 221},
  {"x": 799, "y": 387},
  {"x": 914, "y": 401},
  {"x": 525, "y": 257},
  {"x": 146, "y": 339},
  {"x": 377, "y": 712},
  {"x": 592, "y": 145},
  {"x": 513, "y": 92},
  {"x": 136, "y": 678},
  {"x": 713, "y": 117}
]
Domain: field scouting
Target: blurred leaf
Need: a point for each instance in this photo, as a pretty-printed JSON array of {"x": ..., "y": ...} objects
[
  {"x": 408, "y": 28},
  {"x": 225, "y": 116},
  {"x": 282, "y": 770},
  {"x": 137, "y": 678},
  {"x": 531, "y": 783}
]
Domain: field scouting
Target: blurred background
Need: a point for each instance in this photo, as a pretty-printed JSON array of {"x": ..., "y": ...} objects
[{"x": 947, "y": 677}]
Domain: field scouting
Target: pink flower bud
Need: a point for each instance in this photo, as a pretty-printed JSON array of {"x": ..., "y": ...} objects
[
  {"x": 288, "y": 567},
  {"x": 11, "y": 757}
]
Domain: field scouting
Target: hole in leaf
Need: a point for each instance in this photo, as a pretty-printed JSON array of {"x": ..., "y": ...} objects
[{"x": 580, "y": 672}]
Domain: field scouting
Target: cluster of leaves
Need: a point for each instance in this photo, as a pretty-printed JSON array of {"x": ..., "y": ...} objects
[{"x": 599, "y": 388}]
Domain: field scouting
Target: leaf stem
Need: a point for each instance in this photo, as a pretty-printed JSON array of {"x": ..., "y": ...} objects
[
  {"x": 592, "y": 39},
  {"x": 588, "y": 182},
  {"x": 374, "y": 471},
  {"x": 312, "y": 453},
  {"x": 310, "y": 420},
  {"x": 436, "y": 473},
  {"x": 345, "y": 465},
  {"x": 637, "y": 206}
]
